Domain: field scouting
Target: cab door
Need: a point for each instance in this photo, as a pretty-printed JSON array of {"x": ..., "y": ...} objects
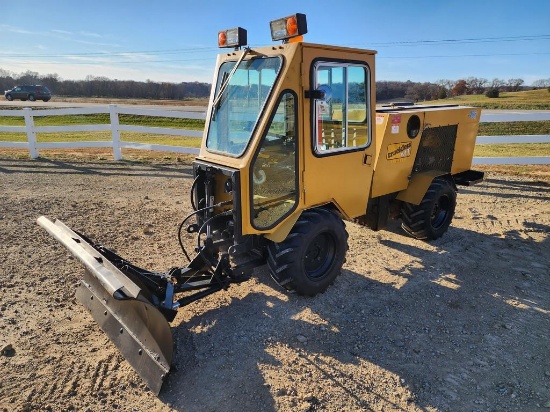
[{"x": 338, "y": 159}]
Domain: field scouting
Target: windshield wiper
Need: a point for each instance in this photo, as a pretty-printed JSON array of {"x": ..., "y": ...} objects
[{"x": 225, "y": 83}]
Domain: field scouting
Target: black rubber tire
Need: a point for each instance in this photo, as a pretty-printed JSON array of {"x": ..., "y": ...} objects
[
  {"x": 312, "y": 255},
  {"x": 32, "y": 98},
  {"x": 46, "y": 100},
  {"x": 9, "y": 97},
  {"x": 432, "y": 217}
]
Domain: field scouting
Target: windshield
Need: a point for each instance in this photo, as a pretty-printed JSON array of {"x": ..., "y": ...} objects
[{"x": 235, "y": 115}]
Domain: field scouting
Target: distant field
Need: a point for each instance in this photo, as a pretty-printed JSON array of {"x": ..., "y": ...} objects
[
  {"x": 485, "y": 129},
  {"x": 103, "y": 100},
  {"x": 536, "y": 99},
  {"x": 149, "y": 121},
  {"x": 514, "y": 128},
  {"x": 525, "y": 100}
]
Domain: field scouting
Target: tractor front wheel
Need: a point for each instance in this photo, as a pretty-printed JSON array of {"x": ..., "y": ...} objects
[
  {"x": 312, "y": 255},
  {"x": 432, "y": 217}
]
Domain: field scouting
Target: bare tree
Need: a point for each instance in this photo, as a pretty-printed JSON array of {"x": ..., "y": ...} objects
[
  {"x": 497, "y": 84},
  {"x": 539, "y": 84},
  {"x": 29, "y": 77},
  {"x": 514, "y": 84},
  {"x": 475, "y": 85},
  {"x": 446, "y": 87}
]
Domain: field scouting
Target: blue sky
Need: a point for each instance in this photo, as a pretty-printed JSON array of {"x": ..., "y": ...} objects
[{"x": 175, "y": 41}]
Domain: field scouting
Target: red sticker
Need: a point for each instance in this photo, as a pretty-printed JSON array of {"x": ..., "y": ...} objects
[{"x": 396, "y": 119}]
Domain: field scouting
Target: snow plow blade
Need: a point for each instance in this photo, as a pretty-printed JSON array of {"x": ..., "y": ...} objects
[{"x": 138, "y": 329}]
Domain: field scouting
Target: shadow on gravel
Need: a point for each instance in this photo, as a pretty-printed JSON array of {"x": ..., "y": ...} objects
[
  {"x": 466, "y": 331},
  {"x": 517, "y": 189},
  {"x": 121, "y": 168}
]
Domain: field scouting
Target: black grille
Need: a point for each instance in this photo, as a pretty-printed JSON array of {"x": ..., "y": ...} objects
[{"x": 436, "y": 149}]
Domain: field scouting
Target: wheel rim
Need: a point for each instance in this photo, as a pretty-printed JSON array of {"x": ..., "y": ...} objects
[
  {"x": 319, "y": 256},
  {"x": 440, "y": 211}
]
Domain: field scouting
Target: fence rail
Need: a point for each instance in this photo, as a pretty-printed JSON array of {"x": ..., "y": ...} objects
[
  {"x": 114, "y": 127},
  {"x": 33, "y": 146}
]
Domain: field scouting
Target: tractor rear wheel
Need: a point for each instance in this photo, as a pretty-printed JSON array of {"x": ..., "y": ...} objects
[
  {"x": 432, "y": 217},
  {"x": 312, "y": 255}
]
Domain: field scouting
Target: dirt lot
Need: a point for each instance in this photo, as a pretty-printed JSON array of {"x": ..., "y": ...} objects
[{"x": 460, "y": 324}]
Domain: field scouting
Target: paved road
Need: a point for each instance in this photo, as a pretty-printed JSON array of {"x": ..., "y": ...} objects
[
  {"x": 53, "y": 104},
  {"x": 514, "y": 115},
  {"x": 486, "y": 115}
]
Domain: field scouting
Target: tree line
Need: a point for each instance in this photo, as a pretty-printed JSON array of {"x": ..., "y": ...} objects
[
  {"x": 97, "y": 86},
  {"x": 444, "y": 88}
]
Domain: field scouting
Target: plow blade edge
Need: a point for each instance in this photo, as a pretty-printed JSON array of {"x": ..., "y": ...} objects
[{"x": 132, "y": 323}]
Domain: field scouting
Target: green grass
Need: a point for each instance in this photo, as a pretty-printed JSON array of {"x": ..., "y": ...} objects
[
  {"x": 134, "y": 120},
  {"x": 161, "y": 139},
  {"x": 514, "y": 128},
  {"x": 512, "y": 150},
  {"x": 524, "y": 100},
  {"x": 103, "y": 118},
  {"x": 485, "y": 129},
  {"x": 105, "y": 136}
]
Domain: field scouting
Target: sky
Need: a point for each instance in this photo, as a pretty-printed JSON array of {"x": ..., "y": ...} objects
[{"x": 176, "y": 40}]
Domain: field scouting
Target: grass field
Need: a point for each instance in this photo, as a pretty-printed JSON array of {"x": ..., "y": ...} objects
[
  {"x": 149, "y": 121},
  {"x": 539, "y": 99},
  {"x": 524, "y": 100},
  {"x": 485, "y": 129}
]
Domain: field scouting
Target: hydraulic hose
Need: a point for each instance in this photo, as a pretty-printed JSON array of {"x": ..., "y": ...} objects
[{"x": 191, "y": 215}]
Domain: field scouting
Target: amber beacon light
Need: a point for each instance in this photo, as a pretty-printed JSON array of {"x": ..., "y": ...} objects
[{"x": 288, "y": 27}]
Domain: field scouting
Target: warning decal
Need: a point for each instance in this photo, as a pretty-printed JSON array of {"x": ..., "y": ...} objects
[{"x": 396, "y": 119}]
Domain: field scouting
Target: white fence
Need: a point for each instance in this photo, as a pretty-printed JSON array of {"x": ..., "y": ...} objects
[{"x": 33, "y": 146}]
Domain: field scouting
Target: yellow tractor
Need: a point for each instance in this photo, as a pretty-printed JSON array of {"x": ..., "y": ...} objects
[{"x": 293, "y": 146}]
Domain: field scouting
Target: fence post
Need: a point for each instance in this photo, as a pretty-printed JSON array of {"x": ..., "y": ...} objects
[
  {"x": 115, "y": 132},
  {"x": 31, "y": 135}
]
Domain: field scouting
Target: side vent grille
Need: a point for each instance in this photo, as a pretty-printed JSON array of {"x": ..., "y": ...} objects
[{"x": 436, "y": 149}]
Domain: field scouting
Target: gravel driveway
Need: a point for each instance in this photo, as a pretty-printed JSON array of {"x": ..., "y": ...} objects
[{"x": 459, "y": 324}]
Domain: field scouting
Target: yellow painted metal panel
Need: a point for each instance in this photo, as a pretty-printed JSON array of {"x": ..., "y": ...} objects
[
  {"x": 397, "y": 152},
  {"x": 418, "y": 186}
]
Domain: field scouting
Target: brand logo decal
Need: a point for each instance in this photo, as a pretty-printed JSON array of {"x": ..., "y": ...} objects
[{"x": 398, "y": 151}]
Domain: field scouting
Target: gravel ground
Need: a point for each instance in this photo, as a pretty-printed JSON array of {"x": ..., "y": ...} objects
[{"x": 459, "y": 324}]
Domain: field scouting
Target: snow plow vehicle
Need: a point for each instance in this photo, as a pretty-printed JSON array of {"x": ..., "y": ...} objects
[{"x": 293, "y": 147}]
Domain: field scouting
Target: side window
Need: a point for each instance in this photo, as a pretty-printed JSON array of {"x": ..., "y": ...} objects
[
  {"x": 341, "y": 117},
  {"x": 274, "y": 180}
]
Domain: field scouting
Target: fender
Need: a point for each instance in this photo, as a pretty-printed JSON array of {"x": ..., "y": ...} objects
[
  {"x": 418, "y": 186},
  {"x": 284, "y": 228}
]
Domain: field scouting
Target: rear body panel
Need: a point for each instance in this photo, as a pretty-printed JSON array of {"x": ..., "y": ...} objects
[{"x": 444, "y": 144}]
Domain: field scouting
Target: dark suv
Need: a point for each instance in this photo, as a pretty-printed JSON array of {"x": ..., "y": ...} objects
[{"x": 31, "y": 93}]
